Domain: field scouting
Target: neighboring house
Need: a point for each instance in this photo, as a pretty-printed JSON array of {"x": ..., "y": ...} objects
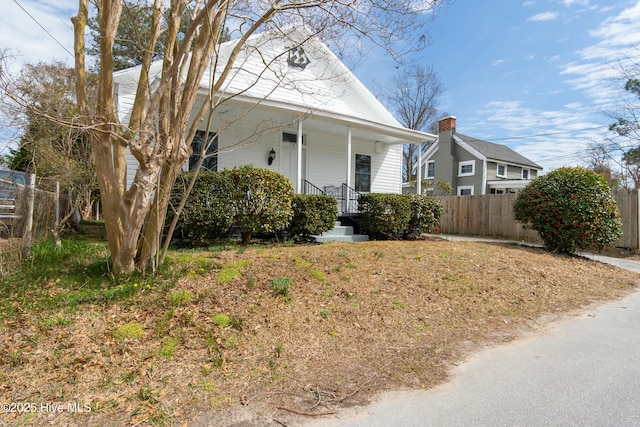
[
  {"x": 290, "y": 105},
  {"x": 473, "y": 166}
]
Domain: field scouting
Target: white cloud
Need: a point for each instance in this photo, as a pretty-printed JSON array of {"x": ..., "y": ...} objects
[
  {"x": 529, "y": 3},
  {"x": 27, "y": 42},
  {"x": 597, "y": 71},
  {"x": 546, "y": 16},
  {"x": 497, "y": 62},
  {"x": 569, "y": 3},
  {"x": 550, "y": 138}
]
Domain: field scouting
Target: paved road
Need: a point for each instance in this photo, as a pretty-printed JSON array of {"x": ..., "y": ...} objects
[{"x": 580, "y": 371}]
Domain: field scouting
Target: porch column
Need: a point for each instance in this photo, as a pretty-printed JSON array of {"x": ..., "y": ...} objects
[
  {"x": 299, "y": 165},
  {"x": 348, "y": 156},
  {"x": 419, "y": 170}
]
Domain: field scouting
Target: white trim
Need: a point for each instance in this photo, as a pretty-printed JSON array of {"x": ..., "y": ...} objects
[
  {"x": 504, "y": 175},
  {"x": 467, "y": 163},
  {"x": 426, "y": 173},
  {"x": 463, "y": 144},
  {"x": 433, "y": 148},
  {"x": 299, "y": 142},
  {"x": 419, "y": 171},
  {"x": 485, "y": 171},
  {"x": 528, "y": 173},
  {"x": 464, "y": 187},
  {"x": 349, "y": 156},
  {"x": 509, "y": 183}
]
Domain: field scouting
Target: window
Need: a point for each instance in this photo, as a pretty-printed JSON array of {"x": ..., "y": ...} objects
[
  {"x": 466, "y": 168},
  {"x": 363, "y": 173},
  {"x": 293, "y": 138},
  {"x": 465, "y": 190},
  {"x": 431, "y": 169},
  {"x": 525, "y": 173},
  {"x": 210, "y": 161},
  {"x": 501, "y": 171}
]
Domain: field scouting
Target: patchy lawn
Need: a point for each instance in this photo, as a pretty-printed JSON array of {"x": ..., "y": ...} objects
[{"x": 272, "y": 334}]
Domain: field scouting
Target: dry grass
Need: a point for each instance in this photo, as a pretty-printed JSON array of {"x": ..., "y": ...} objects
[{"x": 357, "y": 319}]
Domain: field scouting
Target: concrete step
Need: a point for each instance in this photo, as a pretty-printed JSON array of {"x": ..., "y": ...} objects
[
  {"x": 340, "y": 233},
  {"x": 352, "y": 238}
]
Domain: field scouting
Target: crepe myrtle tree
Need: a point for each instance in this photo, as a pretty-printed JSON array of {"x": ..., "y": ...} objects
[{"x": 165, "y": 116}]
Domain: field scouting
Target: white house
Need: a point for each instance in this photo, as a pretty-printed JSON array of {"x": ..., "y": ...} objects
[{"x": 290, "y": 105}]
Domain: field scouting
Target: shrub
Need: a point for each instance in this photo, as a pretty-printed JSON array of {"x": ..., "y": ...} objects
[
  {"x": 312, "y": 214},
  {"x": 280, "y": 286},
  {"x": 571, "y": 209},
  {"x": 133, "y": 330},
  {"x": 207, "y": 213},
  {"x": 260, "y": 199},
  {"x": 425, "y": 214},
  {"x": 384, "y": 215},
  {"x": 222, "y": 320},
  {"x": 180, "y": 298}
]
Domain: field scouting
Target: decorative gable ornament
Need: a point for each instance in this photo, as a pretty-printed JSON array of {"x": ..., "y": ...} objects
[{"x": 298, "y": 58}]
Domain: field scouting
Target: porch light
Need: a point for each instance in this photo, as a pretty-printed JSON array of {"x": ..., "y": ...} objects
[{"x": 272, "y": 156}]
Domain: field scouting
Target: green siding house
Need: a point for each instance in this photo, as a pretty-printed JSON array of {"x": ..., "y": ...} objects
[{"x": 473, "y": 166}]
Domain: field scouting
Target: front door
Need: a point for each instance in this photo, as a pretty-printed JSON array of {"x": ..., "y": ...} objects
[{"x": 289, "y": 158}]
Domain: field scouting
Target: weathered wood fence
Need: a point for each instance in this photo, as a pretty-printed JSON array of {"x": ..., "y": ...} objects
[{"x": 491, "y": 215}]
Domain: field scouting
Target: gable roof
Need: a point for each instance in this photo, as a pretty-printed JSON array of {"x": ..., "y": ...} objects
[
  {"x": 497, "y": 152},
  {"x": 262, "y": 71},
  {"x": 325, "y": 88}
]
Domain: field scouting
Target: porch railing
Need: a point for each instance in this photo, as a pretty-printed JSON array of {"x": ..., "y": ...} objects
[
  {"x": 309, "y": 188},
  {"x": 346, "y": 197}
]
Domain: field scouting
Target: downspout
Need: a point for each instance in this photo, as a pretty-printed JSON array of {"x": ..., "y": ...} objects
[{"x": 484, "y": 176}]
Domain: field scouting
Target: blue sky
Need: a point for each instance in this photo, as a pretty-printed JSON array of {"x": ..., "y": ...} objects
[
  {"x": 532, "y": 74},
  {"x": 536, "y": 75}
]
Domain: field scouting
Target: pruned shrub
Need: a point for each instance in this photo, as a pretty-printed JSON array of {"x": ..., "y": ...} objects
[
  {"x": 312, "y": 214},
  {"x": 207, "y": 213},
  {"x": 260, "y": 200},
  {"x": 571, "y": 209},
  {"x": 384, "y": 216},
  {"x": 425, "y": 214}
]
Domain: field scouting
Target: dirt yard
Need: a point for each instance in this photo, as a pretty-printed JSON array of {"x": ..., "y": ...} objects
[{"x": 275, "y": 335}]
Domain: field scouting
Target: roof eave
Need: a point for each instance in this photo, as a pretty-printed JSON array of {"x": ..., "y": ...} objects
[{"x": 403, "y": 135}]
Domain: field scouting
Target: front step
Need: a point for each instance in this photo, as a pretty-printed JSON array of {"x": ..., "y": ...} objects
[{"x": 341, "y": 233}]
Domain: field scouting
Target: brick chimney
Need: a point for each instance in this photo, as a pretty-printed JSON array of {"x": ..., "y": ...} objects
[
  {"x": 446, "y": 124},
  {"x": 446, "y": 129}
]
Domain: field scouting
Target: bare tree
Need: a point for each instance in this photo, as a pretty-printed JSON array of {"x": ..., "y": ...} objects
[
  {"x": 159, "y": 125},
  {"x": 414, "y": 97},
  {"x": 43, "y": 95}
]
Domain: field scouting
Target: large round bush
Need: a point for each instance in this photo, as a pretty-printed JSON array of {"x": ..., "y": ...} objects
[
  {"x": 260, "y": 199},
  {"x": 571, "y": 209},
  {"x": 207, "y": 213},
  {"x": 384, "y": 216},
  {"x": 425, "y": 214},
  {"x": 312, "y": 214}
]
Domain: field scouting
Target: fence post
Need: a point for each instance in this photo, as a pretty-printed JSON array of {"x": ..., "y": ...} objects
[
  {"x": 637, "y": 196},
  {"x": 28, "y": 227}
]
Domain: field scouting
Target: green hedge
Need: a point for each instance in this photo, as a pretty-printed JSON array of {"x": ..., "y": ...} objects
[
  {"x": 426, "y": 212},
  {"x": 384, "y": 216},
  {"x": 312, "y": 214},
  {"x": 260, "y": 199},
  {"x": 390, "y": 216},
  {"x": 571, "y": 209},
  {"x": 207, "y": 213}
]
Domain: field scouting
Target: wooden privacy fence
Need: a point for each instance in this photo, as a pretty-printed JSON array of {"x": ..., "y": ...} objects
[{"x": 491, "y": 215}]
